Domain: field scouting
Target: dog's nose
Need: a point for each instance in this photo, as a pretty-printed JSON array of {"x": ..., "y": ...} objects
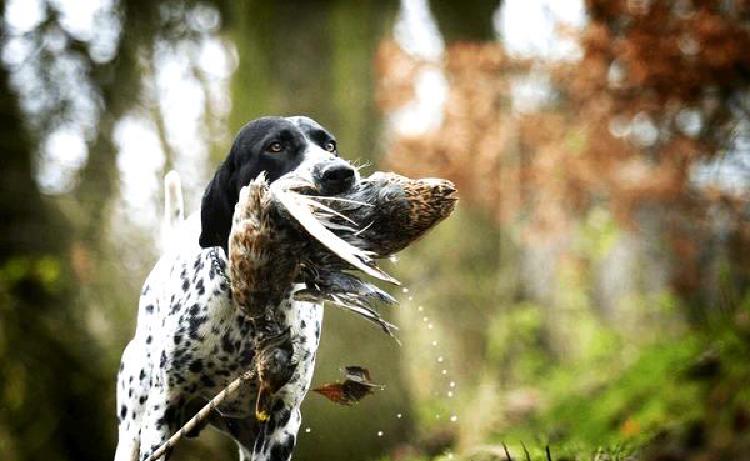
[{"x": 337, "y": 179}]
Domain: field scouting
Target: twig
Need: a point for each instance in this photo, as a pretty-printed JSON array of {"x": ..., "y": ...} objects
[
  {"x": 202, "y": 414},
  {"x": 546, "y": 450}
]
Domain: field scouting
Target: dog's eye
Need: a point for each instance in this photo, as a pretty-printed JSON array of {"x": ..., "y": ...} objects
[
  {"x": 274, "y": 147},
  {"x": 331, "y": 146}
]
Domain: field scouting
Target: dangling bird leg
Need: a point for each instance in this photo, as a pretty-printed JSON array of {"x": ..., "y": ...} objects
[{"x": 275, "y": 367}]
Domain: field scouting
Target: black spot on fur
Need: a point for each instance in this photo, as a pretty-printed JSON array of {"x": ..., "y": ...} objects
[
  {"x": 167, "y": 418},
  {"x": 195, "y": 323},
  {"x": 283, "y": 417},
  {"x": 226, "y": 344},
  {"x": 283, "y": 450},
  {"x": 123, "y": 411},
  {"x": 207, "y": 381},
  {"x": 196, "y": 366},
  {"x": 149, "y": 308}
]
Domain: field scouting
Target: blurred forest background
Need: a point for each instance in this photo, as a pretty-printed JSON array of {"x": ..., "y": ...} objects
[{"x": 590, "y": 293}]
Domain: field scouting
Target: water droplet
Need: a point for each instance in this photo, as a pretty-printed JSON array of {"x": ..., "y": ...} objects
[
  {"x": 393, "y": 258},
  {"x": 440, "y": 359},
  {"x": 450, "y": 455},
  {"x": 434, "y": 344},
  {"x": 444, "y": 372},
  {"x": 307, "y": 429},
  {"x": 380, "y": 433},
  {"x": 398, "y": 416},
  {"x": 450, "y": 394},
  {"x": 454, "y": 418},
  {"x": 405, "y": 290},
  {"x": 425, "y": 318},
  {"x": 437, "y": 416},
  {"x": 452, "y": 384},
  {"x": 420, "y": 308},
  {"x": 429, "y": 326},
  {"x": 411, "y": 298}
]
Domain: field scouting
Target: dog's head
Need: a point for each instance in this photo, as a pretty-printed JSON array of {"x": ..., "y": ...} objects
[{"x": 276, "y": 146}]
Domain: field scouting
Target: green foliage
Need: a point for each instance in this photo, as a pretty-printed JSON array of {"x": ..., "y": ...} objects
[
  {"x": 516, "y": 344},
  {"x": 44, "y": 270},
  {"x": 629, "y": 406}
]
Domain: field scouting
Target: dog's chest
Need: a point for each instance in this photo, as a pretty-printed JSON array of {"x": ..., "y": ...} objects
[{"x": 205, "y": 342}]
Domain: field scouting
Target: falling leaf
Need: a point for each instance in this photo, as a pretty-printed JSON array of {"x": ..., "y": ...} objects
[{"x": 356, "y": 387}]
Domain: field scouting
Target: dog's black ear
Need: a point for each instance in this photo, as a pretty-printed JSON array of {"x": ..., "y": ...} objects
[{"x": 217, "y": 206}]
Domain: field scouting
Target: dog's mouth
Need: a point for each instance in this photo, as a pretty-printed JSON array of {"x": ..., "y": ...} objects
[{"x": 323, "y": 180}]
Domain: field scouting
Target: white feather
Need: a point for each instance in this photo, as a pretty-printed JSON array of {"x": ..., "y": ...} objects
[{"x": 341, "y": 248}]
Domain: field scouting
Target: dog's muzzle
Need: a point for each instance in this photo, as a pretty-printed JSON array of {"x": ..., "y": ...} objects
[{"x": 334, "y": 177}]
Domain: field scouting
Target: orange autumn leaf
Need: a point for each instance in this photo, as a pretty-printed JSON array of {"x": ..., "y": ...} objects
[{"x": 356, "y": 387}]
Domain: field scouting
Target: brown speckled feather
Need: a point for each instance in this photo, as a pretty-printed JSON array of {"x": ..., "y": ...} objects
[{"x": 262, "y": 260}]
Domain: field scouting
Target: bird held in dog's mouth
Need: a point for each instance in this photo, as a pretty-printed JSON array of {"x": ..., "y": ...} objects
[{"x": 287, "y": 235}]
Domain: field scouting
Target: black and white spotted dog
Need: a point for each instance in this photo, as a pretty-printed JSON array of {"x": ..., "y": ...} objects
[{"x": 190, "y": 339}]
